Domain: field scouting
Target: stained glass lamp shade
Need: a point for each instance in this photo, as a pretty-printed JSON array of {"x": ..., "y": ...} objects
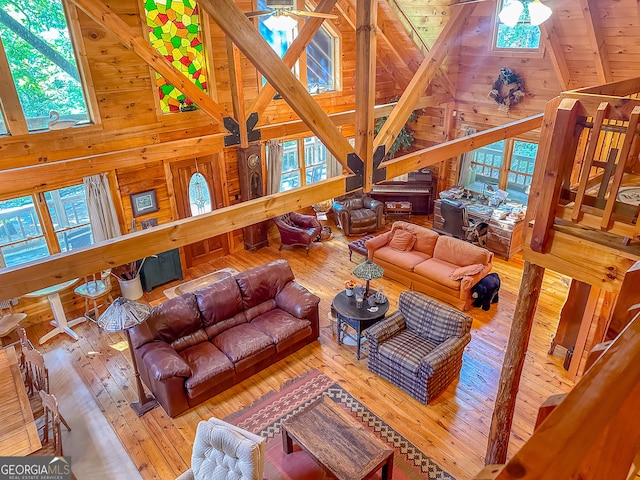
[
  {"x": 368, "y": 270},
  {"x": 124, "y": 314}
]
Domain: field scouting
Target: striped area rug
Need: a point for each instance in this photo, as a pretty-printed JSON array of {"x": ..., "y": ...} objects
[{"x": 266, "y": 414}]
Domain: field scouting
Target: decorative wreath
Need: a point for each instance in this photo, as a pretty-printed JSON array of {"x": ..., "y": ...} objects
[{"x": 507, "y": 90}]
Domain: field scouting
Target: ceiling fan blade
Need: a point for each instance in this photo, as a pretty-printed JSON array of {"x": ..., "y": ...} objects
[
  {"x": 305, "y": 13},
  {"x": 464, "y": 2},
  {"x": 260, "y": 13}
]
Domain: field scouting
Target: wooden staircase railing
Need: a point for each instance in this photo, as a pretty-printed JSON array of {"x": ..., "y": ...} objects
[{"x": 589, "y": 151}]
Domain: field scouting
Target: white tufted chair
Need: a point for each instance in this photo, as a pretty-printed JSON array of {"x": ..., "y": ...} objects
[{"x": 222, "y": 451}]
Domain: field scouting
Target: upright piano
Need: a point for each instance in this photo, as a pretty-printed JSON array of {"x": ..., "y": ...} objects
[{"x": 419, "y": 188}]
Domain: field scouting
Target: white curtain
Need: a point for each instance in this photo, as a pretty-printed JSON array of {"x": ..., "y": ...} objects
[
  {"x": 274, "y": 166},
  {"x": 102, "y": 213},
  {"x": 333, "y": 166},
  {"x": 465, "y": 164}
]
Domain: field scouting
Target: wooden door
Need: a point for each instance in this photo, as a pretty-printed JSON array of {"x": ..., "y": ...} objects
[{"x": 182, "y": 172}]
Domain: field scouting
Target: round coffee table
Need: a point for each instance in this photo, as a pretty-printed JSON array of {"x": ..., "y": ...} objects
[{"x": 357, "y": 318}]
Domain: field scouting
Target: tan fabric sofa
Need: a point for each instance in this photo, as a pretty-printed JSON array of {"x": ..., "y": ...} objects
[{"x": 443, "y": 267}]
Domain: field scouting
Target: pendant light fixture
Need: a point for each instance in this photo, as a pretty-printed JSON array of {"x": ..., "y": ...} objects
[{"x": 511, "y": 12}]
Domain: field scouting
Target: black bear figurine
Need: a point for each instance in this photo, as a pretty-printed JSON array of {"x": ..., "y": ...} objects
[{"x": 485, "y": 292}]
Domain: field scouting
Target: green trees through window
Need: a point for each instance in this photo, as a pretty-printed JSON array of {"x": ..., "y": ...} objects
[
  {"x": 522, "y": 36},
  {"x": 35, "y": 37}
]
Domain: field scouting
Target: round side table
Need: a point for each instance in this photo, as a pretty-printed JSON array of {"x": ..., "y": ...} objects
[{"x": 357, "y": 318}]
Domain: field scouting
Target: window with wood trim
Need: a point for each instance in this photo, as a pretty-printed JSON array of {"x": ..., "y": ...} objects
[
  {"x": 41, "y": 60},
  {"x": 507, "y": 164},
  {"x": 60, "y": 223},
  {"x": 174, "y": 30},
  {"x": 320, "y": 55},
  {"x": 523, "y": 37},
  {"x": 304, "y": 162}
]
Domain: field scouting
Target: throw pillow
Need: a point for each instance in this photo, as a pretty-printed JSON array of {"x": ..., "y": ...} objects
[
  {"x": 458, "y": 273},
  {"x": 402, "y": 240}
]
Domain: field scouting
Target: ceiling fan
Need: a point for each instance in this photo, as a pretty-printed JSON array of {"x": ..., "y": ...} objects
[{"x": 287, "y": 8}]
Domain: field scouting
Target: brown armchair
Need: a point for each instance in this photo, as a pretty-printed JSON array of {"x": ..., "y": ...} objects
[
  {"x": 297, "y": 229},
  {"x": 357, "y": 213}
]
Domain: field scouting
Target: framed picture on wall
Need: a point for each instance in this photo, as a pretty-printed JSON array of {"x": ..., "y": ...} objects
[{"x": 144, "y": 202}]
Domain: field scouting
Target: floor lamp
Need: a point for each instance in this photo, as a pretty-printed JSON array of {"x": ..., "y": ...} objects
[{"x": 123, "y": 314}]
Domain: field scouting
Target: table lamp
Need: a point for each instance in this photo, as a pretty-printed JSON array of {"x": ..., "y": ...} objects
[
  {"x": 123, "y": 314},
  {"x": 368, "y": 270}
]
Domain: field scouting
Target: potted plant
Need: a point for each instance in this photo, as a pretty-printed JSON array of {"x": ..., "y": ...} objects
[
  {"x": 405, "y": 137},
  {"x": 349, "y": 286}
]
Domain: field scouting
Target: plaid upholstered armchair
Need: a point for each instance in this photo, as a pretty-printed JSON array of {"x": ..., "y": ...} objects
[{"x": 419, "y": 346}]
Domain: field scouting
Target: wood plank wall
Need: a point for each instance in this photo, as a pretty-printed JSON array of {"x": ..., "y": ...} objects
[{"x": 127, "y": 118}]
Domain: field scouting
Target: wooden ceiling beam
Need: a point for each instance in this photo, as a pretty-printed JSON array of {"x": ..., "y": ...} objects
[
  {"x": 597, "y": 40},
  {"x": 411, "y": 29},
  {"x": 427, "y": 70},
  {"x": 17, "y": 180},
  {"x": 433, "y": 155},
  {"x": 49, "y": 176},
  {"x": 552, "y": 44},
  {"x": 311, "y": 26},
  {"x": 112, "y": 23},
  {"x": 400, "y": 72},
  {"x": 11, "y": 106},
  {"x": 237, "y": 89},
  {"x": 18, "y": 280},
  {"x": 366, "y": 15},
  {"x": 246, "y": 37}
]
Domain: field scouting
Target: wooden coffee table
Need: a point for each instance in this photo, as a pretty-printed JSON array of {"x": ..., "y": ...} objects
[{"x": 338, "y": 442}]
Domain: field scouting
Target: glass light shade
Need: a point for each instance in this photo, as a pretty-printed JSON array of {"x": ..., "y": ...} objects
[
  {"x": 280, "y": 21},
  {"x": 510, "y": 14},
  {"x": 123, "y": 314},
  {"x": 368, "y": 271},
  {"x": 538, "y": 12}
]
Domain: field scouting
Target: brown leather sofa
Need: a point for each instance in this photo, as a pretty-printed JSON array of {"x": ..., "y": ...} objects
[
  {"x": 357, "y": 213},
  {"x": 198, "y": 344},
  {"x": 443, "y": 267}
]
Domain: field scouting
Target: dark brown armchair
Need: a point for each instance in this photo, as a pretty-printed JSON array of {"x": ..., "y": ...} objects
[
  {"x": 358, "y": 213},
  {"x": 297, "y": 229}
]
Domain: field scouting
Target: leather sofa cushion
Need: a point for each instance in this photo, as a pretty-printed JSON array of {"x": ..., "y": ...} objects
[
  {"x": 460, "y": 253},
  {"x": 438, "y": 271},
  {"x": 208, "y": 367},
  {"x": 177, "y": 317},
  {"x": 260, "y": 309},
  {"x": 362, "y": 217},
  {"x": 283, "y": 328},
  {"x": 219, "y": 301},
  {"x": 404, "y": 260},
  {"x": 162, "y": 361},
  {"x": 263, "y": 283},
  {"x": 217, "y": 328},
  {"x": 352, "y": 203},
  {"x": 189, "y": 340},
  {"x": 297, "y": 300},
  {"x": 402, "y": 240},
  {"x": 244, "y": 342}
]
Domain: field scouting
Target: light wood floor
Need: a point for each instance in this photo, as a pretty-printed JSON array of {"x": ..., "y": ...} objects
[{"x": 452, "y": 430}]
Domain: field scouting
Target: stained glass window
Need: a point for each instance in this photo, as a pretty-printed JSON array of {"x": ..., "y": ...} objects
[{"x": 174, "y": 30}]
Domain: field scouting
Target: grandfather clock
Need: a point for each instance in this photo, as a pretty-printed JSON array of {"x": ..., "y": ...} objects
[{"x": 251, "y": 186}]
